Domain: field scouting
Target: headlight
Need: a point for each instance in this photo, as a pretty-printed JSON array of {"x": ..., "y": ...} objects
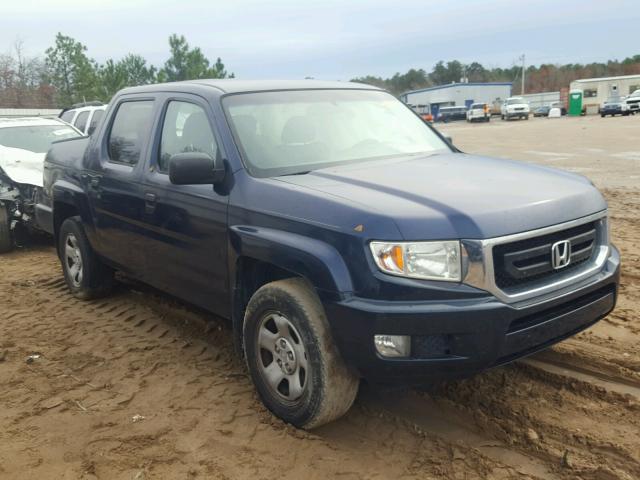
[{"x": 423, "y": 260}]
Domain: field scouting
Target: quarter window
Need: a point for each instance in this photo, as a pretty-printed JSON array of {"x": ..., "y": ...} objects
[
  {"x": 81, "y": 121},
  {"x": 185, "y": 129},
  {"x": 129, "y": 130}
]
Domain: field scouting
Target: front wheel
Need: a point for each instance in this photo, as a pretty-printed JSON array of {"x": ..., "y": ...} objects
[
  {"x": 86, "y": 276},
  {"x": 6, "y": 239},
  {"x": 295, "y": 366}
]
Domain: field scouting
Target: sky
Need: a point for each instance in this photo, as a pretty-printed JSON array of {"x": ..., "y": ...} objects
[{"x": 333, "y": 40}]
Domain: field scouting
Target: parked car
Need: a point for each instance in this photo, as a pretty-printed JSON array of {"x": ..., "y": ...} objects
[
  {"x": 515, "y": 107},
  {"x": 84, "y": 116},
  {"x": 424, "y": 111},
  {"x": 449, "y": 114},
  {"x": 341, "y": 235},
  {"x": 479, "y": 112},
  {"x": 633, "y": 102},
  {"x": 23, "y": 145},
  {"x": 560, "y": 105},
  {"x": 613, "y": 107},
  {"x": 542, "y": 111}
]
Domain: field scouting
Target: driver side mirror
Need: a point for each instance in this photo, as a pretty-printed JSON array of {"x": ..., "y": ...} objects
[
  {"x": 448, "y": 139},
  {"x": 194, "y": 168}
]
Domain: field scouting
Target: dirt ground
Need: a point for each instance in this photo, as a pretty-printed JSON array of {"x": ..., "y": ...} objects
[{"x": 140, "y": 386}]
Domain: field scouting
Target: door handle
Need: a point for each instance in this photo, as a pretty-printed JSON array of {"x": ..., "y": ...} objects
[
  {"x": 94, "y": 180},
  {"x": 149, "y": 202}
]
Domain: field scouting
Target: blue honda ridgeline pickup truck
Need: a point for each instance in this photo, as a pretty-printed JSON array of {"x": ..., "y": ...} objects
[{"x": 342, "y": 236}]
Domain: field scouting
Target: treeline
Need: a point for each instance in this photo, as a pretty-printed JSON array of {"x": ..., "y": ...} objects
[
  {"x": 67, "y": 74},
  {"x": 543, "y": 78}
]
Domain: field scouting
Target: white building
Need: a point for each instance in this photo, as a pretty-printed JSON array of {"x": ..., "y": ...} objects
[
  {"x": 456, "y": 94},
  {"x": 596, "y": 91},
  {"x": 543, "y": 99},
  {"x": 29, "y": 112}
]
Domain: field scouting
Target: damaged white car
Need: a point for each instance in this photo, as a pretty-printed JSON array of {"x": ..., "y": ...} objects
[{"x": 24, "y": 143}]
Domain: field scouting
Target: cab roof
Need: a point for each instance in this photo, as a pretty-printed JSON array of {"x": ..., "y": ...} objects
[{"x": 246, "y": 86}]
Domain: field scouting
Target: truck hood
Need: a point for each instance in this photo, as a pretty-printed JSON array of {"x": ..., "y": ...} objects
[
  {"x": 456, "y": 195},
  {"x": 22, "y": 166}
]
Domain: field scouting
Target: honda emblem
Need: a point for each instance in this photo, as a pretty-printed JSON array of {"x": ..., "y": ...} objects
[{"x": 560, "y": 254}]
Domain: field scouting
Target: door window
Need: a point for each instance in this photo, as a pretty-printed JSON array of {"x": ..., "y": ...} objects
[
  {"x": 185, "y": 129},
  {"x": 81, "y": 121},
  {"x": 93, "y": 124},
  {"x": 129, "y": 131}
]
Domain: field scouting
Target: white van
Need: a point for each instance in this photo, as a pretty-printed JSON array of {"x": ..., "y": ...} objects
[{"x": 84, "y": 116}]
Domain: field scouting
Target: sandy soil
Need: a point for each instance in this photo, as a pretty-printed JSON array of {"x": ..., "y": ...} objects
[{"x": 140, "y": 386}]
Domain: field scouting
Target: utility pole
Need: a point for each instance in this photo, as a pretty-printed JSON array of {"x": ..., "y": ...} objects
[{"x": 522, "y": 58}]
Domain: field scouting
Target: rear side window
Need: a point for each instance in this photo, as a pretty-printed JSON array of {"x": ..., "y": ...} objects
[
  {"x": 81, "y": 121},
  {"x": 67, "y": 116},
  {"x": 185, "y": 129},
  {"x": 129, "y": 130},
  {"x": 95, "y": 121}
]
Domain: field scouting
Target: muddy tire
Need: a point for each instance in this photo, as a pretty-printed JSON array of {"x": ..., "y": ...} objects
[
  {"x": 86, "y": 276},
  {"x": 293, "y": 361},
  {"x": 6, "y": 239}
]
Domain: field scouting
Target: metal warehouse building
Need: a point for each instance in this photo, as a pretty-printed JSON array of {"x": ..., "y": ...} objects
[
  {"x": 457, "y": 94},
  {"x": 596, "y": 91}
]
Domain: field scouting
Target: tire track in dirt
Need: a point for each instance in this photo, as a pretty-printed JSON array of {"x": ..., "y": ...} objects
[
  {"x": 143, "y": 353},
  {"x": 99, "y": 361}
]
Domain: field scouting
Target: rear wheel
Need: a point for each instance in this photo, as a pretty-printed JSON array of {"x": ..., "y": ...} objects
[
  {"x": 290, "y": 354},
  {"x": 86, "y": 276},
  {"x": 6, "y": 239}
]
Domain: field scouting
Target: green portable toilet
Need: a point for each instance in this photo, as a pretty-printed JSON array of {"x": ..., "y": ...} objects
[{"x": 575, "y": 103}]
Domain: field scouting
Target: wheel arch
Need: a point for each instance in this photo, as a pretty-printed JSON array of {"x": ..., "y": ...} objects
[
  {"x": 68, "y": 201},
  {"x": 263, "y": 255}
]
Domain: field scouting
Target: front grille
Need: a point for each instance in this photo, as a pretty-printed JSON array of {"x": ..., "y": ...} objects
[{"x": 518, "y": 264}]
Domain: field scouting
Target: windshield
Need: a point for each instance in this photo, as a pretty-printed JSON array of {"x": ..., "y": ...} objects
[
  {"x": 289, "y": 132},
  {"x": 515, "y": 101},
  {"x": 35, "y": 138}
]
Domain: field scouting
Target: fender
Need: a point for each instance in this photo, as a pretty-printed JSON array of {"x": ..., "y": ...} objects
[
  {"x": 70, "y": 194},
  {"x": 313, "y": 259}
]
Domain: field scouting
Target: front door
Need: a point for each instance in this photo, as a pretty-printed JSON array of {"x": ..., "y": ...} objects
[{"x": 187, "y": 224}]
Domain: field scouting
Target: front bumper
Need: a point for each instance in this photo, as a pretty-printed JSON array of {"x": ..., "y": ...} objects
[
  {"x": 456, "y": 339},
  {"x": 517, "y": 114}
]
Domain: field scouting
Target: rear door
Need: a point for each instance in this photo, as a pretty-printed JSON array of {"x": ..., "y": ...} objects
[
  {"x": 187, "y": 224},
  {"x": 113, "y": 182}
]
